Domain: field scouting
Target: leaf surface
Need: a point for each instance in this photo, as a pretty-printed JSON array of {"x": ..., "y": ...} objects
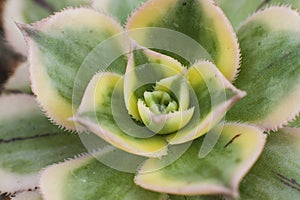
[
  {"x": 276, "y": 173},
  {"x": 103, "y": 112},
  {"x": 87, "y": 178},
  {"x": 203, "y": 21},
  {"x": 218, "y": 173},
  {"x": 29, "y": 142},
  {"x": 270, "y": 68},
  {"x": 58, "y": 47}
]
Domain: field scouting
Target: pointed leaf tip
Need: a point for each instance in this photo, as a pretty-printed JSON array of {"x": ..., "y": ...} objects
[
  {"x": 103, "y": 112},
  {"x": 27, "y": 30},
  {"x": 220, "y": 172},
  {"x": 270, "y": 68},
  {"x": 200, "y": 20},
  {"x": 23, "y": 130},
  {"x": 59, "y": 47}
]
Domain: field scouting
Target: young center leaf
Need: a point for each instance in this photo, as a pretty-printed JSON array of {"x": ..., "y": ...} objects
[
  {"x": 212, "y": 96},
  {"x": 102, "y": 103}
]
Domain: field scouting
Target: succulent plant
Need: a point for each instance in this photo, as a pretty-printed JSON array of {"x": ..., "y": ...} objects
[{"x": 156, "y": 99}]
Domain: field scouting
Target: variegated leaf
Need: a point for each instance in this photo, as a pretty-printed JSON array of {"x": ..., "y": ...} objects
[
  {"x": 87, "y": 178},
  {"x": 220, "y": 172},
  {"x": 214, "y": 96},
  {"x": 58, "y": 47},
  {"x": 29, "y": 142},
  {"x": 238, "y": 11},
  {"x": 102, "y": 103},
  {"x": 276, "y": 173},
  {"x": 27, "y": 12},
  {"x": 201, "y": 20},
  {"x": 270, "y": 68},
  {"x": 295, "y": 4},
  {"x": 121, "y": 9}
]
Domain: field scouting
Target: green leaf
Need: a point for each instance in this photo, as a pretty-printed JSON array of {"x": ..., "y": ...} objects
[
  {"x": 121, "y": 9},
  {"x": 87, "y": 178},
  {"x": 270, "y": 68},
  {"x": 295, "y": 4},
  {"x": 295, "y": 123},
  {"x": 59, "y": 5},
  {"x": 29, "y": 142},
  {"x": 144, "y": 69},
  {"x": 27, "y": 12},
  {"x": 103, "y": 112},
  {"x": 238, "y": 11},
  {"x": 189, "y": 18},
  {"x": 58, "y": 47},
  {"x": 212, "y": 95},
  {"x": 164, "y": 123},
  {"x": 218, "y": 173},
  {"x": 276, "y": 174}
]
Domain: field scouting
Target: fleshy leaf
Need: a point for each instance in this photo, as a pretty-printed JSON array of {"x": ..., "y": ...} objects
[
  {"x": 218, "y": 173},
  {"x": 214, "y": 96},
  {"x": 295, "y": 123},
  {"x": 164, "y": 123},
  {"x": 120, "y": 9},
  {"x": 19, "y": 81},
  {"x": 276, "y": 173},
  {"x": 58, "y": 46},
  {"x": 59, "y": 5},
  {"x": 103, "y": 112},
  {"x": 87, "y": 178},
  {"x": 190, "y": 18},
  {"x": 144, "y": 69},
  {"x": 29, "y": 142},
  {"x": 295, "y": 4},
  {"x": 27, "y": 12},
  {"x": 238, "y": 11},
  {"x": 270, "y": 68}
]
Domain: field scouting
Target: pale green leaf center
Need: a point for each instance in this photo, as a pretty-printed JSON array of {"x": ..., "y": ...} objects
[{"x": 164, "y": 110}]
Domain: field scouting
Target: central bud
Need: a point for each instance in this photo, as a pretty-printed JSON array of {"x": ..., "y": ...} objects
[
  {"x": 166, "y": 109},
  {"x": 160, "y": 102}
]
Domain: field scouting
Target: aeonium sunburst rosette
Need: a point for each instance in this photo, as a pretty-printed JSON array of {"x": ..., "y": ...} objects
[{"x": 149, "y": 99}]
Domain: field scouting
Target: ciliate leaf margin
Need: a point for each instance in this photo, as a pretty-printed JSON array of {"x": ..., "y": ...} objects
[{"x": 189, "y": 188}]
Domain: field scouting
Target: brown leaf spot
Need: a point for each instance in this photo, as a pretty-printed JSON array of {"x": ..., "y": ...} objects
[{"x": 230, "y": 141}]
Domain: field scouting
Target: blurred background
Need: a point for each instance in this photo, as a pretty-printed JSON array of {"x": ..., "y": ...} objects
[
  {"x": 8, "y": 61},
  {"x": 8, "y": 58}
]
